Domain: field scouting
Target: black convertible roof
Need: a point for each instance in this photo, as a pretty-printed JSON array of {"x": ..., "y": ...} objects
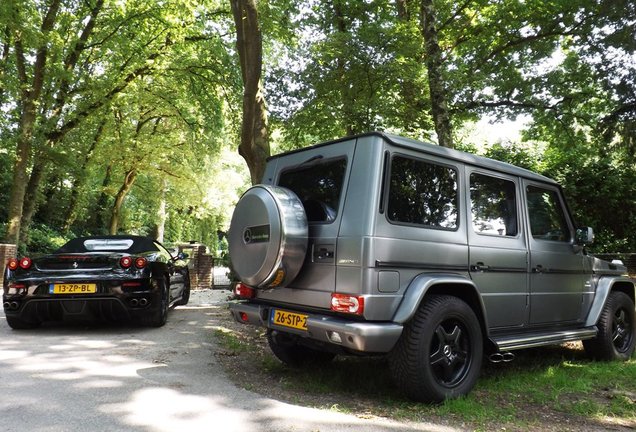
[{"x": 109, "y": 243}]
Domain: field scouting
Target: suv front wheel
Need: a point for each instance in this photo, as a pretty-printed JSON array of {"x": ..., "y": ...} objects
[
  {"x": 616, "y": 338},
  {"x": 440, "y": 352}
]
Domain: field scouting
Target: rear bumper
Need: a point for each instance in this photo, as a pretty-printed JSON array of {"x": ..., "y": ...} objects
[
  {"x": 109, "y": 303},
  {"x": 369, "y": 337}
]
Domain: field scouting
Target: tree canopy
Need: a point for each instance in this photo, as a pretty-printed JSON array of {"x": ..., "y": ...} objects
[{"x": 121, "y": 115}]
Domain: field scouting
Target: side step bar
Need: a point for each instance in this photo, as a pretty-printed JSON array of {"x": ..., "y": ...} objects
[{"x": 520, "y": 341}]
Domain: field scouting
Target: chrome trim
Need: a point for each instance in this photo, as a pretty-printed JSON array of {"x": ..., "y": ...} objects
[
  {"x": 372, "y": 337},
  {"x": 515, "y": 342}
]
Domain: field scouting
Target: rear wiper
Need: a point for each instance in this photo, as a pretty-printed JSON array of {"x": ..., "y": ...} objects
[{"x": 310, "y": 160}]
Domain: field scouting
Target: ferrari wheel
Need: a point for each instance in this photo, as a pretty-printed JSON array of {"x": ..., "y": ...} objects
[{"x": 159, "y": 315}]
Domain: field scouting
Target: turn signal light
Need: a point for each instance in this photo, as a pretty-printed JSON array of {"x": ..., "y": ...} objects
[
  {"x": 25, "y": 263},
  {"x": 244, "y": 291},
  {"x": 141, "y": 262},
  {"x": 125, "y": 262},
  {"x": 12, "y": 264},
  {"x": 347, "y": 303}
]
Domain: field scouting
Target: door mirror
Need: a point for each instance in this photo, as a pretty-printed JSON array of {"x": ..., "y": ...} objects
[{"x": 584, "y": 236}]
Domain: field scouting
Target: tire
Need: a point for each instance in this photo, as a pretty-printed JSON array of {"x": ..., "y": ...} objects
[
  {"x": 616, "y": 338},
  {"x": 287, "y": 350},
  {"x": 267, "y": 239},
  {"x": 158, "y": 317},
  {"x": 439, "y": 354},
  {"x": 18, "y": 324}
]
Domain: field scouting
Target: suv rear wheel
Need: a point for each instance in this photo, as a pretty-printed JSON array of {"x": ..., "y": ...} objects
[
  {"x": 440, "y": 352},
  {"x": 287, "y": 350},
  {"x": 616, "y": 338}
]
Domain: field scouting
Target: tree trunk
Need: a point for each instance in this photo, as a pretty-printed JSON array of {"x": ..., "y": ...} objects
[
  {"x": 413, "y": 105},
  {"x": 71, "y": 210},
  {"x": 254, "y": 146},
  {"x": 160, "y": 222},
  {"x": 100, "y": 209},
  {"x": 129, "y": 180},
  {"x": 32, "y": 197},
  {"x": 347, "y": 98},
  {"x": 404, "y": 14},
  {"x": 439, "y": 107},
  {"x": 31, "y": 91},
  {"x": 20, "y": 179}
]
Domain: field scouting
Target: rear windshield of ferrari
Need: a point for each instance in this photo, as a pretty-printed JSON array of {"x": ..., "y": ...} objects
[
  {"x": 107, "y": 245},
  {"x": 132, "y": 244}
]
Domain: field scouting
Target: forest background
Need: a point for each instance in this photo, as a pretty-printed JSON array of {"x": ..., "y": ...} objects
[{"x": 130, "y": 115}]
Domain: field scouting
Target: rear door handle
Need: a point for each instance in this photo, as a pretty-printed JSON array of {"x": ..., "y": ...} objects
[{"x": 480, "y": 266}]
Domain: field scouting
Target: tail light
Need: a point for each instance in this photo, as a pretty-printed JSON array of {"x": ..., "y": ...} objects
[
  {"x": 244, "y": 291},
  {"x": 25, "y": 263},
  {"x": 140, "y": 262},
  {"x": 125, "y": 262},
  {"x": 12, "y": 264},
  {"x": 347, "y": 303}
]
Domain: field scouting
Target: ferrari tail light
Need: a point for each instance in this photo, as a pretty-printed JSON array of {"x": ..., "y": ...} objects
[
  {"x": 126, "y": 262},
  {"x": 25, "y": 263},
  {"x": 12, "y": 264},
  {"x": 140, "y": 262},
  {"x": 244, "y": 291},
  {"x": 347, "y": 303}
]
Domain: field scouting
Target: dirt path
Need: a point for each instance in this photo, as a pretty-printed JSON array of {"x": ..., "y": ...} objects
[{"x": 78, "y": 377}]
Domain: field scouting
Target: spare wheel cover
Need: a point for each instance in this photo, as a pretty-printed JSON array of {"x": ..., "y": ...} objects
[{"x": 268, "y": 236}]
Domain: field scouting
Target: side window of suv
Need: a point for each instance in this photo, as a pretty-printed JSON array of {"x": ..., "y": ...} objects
[
  {"x": 422, "y": 193},
  {"x": 493, "y": 205},
  {"x": 319, "y": 187},
  {"x": 547, "y": 218}
]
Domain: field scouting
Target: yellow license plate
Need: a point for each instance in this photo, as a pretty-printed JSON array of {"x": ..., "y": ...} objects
[
  {"x": 289, "y": 319},
  {"x": 73, "y": 288}
]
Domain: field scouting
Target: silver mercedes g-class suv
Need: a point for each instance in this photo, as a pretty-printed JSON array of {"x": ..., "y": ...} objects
[{"x": 378, "y": 244}]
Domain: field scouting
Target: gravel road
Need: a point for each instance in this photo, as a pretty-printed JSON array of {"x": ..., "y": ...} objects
[{"x": 69, "y": 377}]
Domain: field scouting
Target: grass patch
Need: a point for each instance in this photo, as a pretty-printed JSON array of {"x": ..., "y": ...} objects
[
  {"x": 232, "y": 341},
  {"x": 541, "y": 388}
]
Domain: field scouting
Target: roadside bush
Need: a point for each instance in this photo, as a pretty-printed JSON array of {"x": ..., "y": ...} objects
[{"x": 41, "y": 240}]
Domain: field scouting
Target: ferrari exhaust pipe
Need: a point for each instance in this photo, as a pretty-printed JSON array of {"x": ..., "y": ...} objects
[
  {"x": 7, "y": 305},
  {"x": 134, "y": 302},
  {"x": 143, "y": 302}
]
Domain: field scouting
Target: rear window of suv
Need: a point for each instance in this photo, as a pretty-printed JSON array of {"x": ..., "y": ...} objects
[
  {"x": 318, "y": 186},
  {"x": 422, "y": 193}
]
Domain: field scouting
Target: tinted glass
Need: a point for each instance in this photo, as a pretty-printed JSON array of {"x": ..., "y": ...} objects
[
  {"x": 319, "y": 187},
  {"x": 493, "y": 205},
  {"x": 547, "y": 219},
  {"x": 422, "y": 193},
  {"x": 129, "y": 244}
]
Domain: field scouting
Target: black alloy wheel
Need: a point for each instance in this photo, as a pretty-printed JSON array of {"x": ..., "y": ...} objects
[
  {"x": 615, "y": 339},
  {"x": 439, "y": 354}
]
